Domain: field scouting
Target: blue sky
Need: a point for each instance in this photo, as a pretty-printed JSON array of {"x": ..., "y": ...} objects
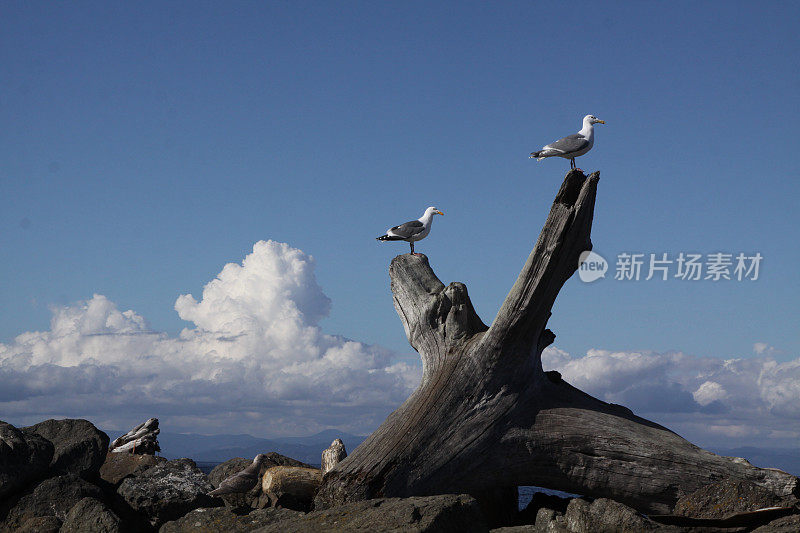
[{"x": 146, "y": 145}]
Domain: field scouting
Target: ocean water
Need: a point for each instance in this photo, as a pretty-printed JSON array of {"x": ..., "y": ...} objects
[
  {"x": 526, "y": 495},
  {"x": 206, "y": 467}
]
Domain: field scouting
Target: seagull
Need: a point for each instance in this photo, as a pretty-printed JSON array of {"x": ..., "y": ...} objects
[
  {"x": 241, "y": 481},
  {"x": 571, "y": 146},
  {"x": 416, "y": 230}
]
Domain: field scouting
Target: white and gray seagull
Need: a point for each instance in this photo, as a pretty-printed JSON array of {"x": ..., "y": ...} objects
[
  {"x": 241, "y": 481},
  {"x": 571, "y": 146},
  {"x": 413, "y": 231}
]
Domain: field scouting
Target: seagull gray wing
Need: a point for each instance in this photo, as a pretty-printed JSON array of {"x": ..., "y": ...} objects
[
  {"x": 409, "y": 229},
  {"x": 241, "y": 482},
  {"x": 569, "y": 144}
]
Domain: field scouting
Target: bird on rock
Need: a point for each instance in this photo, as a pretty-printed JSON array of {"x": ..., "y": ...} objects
[
  {"x": 413, "y": 231},
  {"x": 571, "y": 146},
  {"x": 241, "y": 481}
]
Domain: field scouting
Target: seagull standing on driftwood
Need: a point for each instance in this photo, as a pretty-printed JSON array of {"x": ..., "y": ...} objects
[
  {"x": 571, "y": 146},
  {"x": 413, "y": 231},
  {"x": 241, "y": 481}
]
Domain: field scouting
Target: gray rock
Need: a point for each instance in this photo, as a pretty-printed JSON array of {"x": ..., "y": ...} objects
[
  {"x": 80, "y": 448},
  {"x": 232, "y": 466},
  {"x": 40, "y": 524},
  {"x": 167, "y": 491},
  {"x": 604, "y": 515},
  {"x": 515, "y": 529},
  {"x": 91, "y": 516},
  {"x": 24, "y": 458},
  {"x": 118, "y": 466},
  {"x": 456, "y": 513},
  {"x": 600, "y": 516},
  {"x": 549, "y": 521},
  {"x": 52, "y": 497},
  {"x": 723, "y": 498},
  {"x": 222, "y": 520}
]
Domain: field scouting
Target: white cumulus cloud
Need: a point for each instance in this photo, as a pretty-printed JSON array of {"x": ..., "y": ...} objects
[
  {"x": 755, "y": 399},
  {"x": 709, "y": 391},
  {"x": 256, "y": 360}
]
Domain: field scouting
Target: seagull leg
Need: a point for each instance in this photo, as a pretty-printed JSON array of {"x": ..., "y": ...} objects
[
  {"x": 412, "y": 247},
  {"x": 572, "y": 164}
]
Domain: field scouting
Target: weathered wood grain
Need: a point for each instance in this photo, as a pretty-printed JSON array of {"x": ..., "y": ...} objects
[
  {"x": 333, "y": 455},
  {"x": 143, "y": 439},
  {"x": 486, "y": 416},
  {"x": 291, "y": 487}
]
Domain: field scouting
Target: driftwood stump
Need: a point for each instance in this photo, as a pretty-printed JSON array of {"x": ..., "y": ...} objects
[
  {"x": 487, "y": 417},
  {"x": 333, "y": 455},
  {"x": 291, "y": 487},
  {"x": 142, "y": 440}
]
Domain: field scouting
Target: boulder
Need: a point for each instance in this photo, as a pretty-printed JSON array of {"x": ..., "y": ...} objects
[
  {"x": 91, "y": 516},
  {"x": 167, "y": 491},
  {"x": 80, "y": 448},
  {"x": 443, "y": 513},
  {"x": 550, "y": 521},
  {"x": 605, "y": 515},
  {"x": 52, "y": 497},
  {"x": 24, "y": 458},
  {"x": 232, "y": 466},
  {"x": 40, "y": 524},
  {"x": 118, "y": 466},
  {"x": 292, "y": 487},
  {"x": 222, "y": 520},
  {"x": 724, "y": 498},
  {"x": 600, "y": 516}
]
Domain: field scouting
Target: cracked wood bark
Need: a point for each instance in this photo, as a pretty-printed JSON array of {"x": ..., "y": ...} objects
[{"x": 486, "y": 416}]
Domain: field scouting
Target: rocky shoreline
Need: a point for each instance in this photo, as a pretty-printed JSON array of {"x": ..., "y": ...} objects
[{"x": 59, "y": 476}]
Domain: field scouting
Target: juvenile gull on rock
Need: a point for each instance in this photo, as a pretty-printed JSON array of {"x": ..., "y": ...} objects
[{"x": 241, "y": 481}]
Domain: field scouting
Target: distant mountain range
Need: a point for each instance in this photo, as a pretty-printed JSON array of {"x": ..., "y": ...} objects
[
  {"x": 786, "y": 459},
  {"x": 219, "y": 448}
]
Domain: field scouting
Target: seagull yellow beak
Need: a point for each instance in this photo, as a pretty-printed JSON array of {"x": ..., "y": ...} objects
[
  {"x": 439, "y": 213},
  {"x": 601, "y": 121}
]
